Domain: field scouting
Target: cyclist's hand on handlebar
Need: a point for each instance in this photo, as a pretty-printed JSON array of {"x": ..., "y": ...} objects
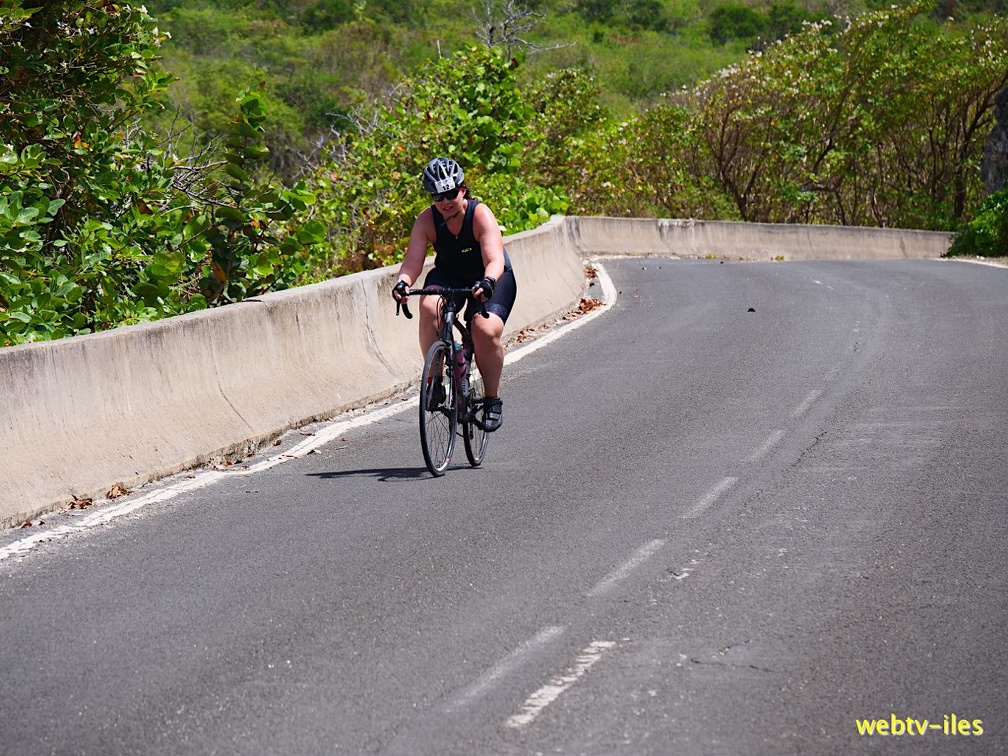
[
  {"x": 400, "y": 291},
  {"x": 483, "y": 289}
]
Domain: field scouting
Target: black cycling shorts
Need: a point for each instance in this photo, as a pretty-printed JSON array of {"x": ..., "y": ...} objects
[{"x": 500, "y": 304}]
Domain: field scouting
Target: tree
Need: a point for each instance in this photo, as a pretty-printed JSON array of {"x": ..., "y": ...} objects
[
  {"x": 878, "y": 123},
  {"x": 99, "y": 224},
  {"x": 327, "y": 14},
  {"x": 504, "y": 22}
]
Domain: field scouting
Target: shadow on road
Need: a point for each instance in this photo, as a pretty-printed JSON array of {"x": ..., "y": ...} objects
[{"x": 379, "y": 473}]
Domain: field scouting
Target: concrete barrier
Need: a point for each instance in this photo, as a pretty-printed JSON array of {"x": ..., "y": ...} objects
[
  {"x": 128, "y": 406},
  {"x": 754, "y": 241},
  {"x": 83, "y": 414}
]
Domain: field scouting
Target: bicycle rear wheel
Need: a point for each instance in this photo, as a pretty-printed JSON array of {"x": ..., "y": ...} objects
[
  {"x": 473, "y": 435},
  {"x": 438, "y": 411}
]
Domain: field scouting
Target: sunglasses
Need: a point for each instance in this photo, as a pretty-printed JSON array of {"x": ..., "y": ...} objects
[{"x": 449, "y": 195}]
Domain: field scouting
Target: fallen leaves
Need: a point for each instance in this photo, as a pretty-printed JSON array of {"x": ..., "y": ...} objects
[
  {"x": 529, "y": 334},
  {"x": 584, "y": 307}
]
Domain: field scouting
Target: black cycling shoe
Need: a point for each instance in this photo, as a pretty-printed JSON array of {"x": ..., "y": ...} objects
[
  {"x": 493, "y": 413},
  {"x": 437, "y": 396}
]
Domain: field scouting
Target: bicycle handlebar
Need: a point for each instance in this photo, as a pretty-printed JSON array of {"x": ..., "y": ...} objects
[{"x": 443, "y": 292}]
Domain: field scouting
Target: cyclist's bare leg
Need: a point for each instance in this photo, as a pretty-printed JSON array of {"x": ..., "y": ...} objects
[
  {"x": 489, "y": 348},
  {"x": 430, "y": 320}
]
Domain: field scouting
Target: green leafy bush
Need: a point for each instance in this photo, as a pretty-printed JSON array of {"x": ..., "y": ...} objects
[
  {"x": 641, "y": 168},
  {"x": 253, "y": 237},
  {"x": 327, "y": 14},
  {"x": 986, "y": 235},
  {"x": 99, "y": 225},
  {"x": 74, "y": 172},
  {"x": 468, "y": 107},
  {"x": 735, "y": 21},
  {"x": 738, "y": 21}
]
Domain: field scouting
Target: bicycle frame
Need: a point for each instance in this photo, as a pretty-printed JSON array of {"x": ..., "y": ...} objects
[{"x": 450, "y": 321}]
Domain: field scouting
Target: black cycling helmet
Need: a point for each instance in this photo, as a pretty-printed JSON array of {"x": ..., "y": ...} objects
[{"x": 442, "y": 175}]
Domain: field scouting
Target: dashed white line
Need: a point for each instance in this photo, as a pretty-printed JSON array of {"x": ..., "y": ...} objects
[
  {"x": 806, "y": 403},
  {"x": 685, "y": 572},
  {"x": 547, "y": 694},
  {"x": 506, "y": 665},
  {"x": 623, "y": 571},
  {"x": 771, "y": 441},
  {"x": 707, "y": 500}
]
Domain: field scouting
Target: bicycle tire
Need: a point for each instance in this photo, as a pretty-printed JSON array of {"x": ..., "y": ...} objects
[
  {"x": 473, "y": 435},
  {"x": 438, "y": 425}
]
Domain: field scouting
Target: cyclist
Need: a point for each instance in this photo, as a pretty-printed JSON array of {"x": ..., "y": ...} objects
[{"x": 469, "y": 248}]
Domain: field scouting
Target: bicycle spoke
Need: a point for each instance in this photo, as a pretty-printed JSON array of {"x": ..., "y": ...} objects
[
  {"x": 473, "y": 435},
  {"x": 438, "y": 414}
]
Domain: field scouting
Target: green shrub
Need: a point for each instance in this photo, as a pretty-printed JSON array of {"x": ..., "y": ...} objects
[
  {"x": 468, "y": 107},
  {"x": 99, "y": 225},
  {"x": 74, "y": 172},
  {"x": 986, "y": 235},
  {"x": 786, "y": 18},
  {"x": 327, "y": 14},
  {"x": 733, "y": 21}
]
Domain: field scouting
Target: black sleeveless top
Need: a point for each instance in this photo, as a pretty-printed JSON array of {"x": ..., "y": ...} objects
[{"x": 460, "y": 256}]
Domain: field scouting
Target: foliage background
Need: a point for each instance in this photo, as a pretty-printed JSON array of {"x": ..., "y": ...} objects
[{"x": 153, "y": 163}]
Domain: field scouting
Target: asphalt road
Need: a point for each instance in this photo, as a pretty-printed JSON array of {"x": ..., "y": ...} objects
[{"x": 741, "y": 510}]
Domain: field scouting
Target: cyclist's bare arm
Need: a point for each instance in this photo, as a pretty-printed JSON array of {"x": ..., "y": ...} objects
[{"x": 422, "y": 235}]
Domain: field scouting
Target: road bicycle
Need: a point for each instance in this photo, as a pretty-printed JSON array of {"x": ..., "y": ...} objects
[{"x": 451, "y": 395}]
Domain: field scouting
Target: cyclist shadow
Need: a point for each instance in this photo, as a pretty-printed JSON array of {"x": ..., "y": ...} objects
[{"x": 381, "y": 474}]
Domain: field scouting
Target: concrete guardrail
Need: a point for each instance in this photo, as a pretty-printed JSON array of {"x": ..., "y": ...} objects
[{"x": 83, "y": 414}]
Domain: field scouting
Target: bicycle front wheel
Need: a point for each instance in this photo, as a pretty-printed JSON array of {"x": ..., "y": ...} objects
[
  {"x": 438, "y": 410},
  {"x": 473, "y": 435}
]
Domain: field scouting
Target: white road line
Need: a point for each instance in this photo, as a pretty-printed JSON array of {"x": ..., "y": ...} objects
[
  {"x": 771, "y": 441},
  {"x": 642, "y": 554},
  {"x": 104, "y": 514},
  {"x": 547, "y": 694},
  {"x": 164, "y": 492},
  {"x": 806, "y": 403},
  {"x": 506, "y": 665},
  {"x": 324, "y": 435},
  {"x": 109, "y": 513},
  {"x": 990, "y": 263},
  {"x": 707, "y": 500}
]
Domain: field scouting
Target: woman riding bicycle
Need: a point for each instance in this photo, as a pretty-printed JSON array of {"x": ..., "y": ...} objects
[{"x": 469, "y": 251}]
